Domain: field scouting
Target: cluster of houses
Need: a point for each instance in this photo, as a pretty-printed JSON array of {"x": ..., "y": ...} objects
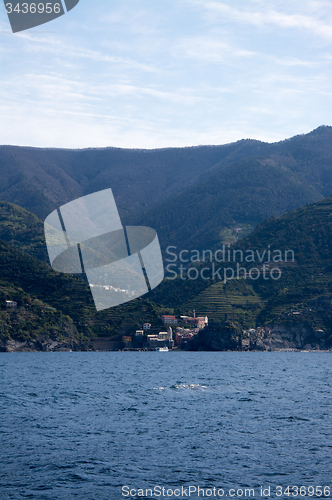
[
  {"x": 200, "y": 322},
  {"x": 184, "y": 335},
  {"x": 146, "y": 340},
  {"x": 162, "y": 339},
  {"x": 255, "y": 338},
  {"x": 173, "y": 337},
  {"x": 196, "y": 322}
]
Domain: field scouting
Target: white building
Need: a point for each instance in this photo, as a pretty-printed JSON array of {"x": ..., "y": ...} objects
[{"x": 11, "y": 303}]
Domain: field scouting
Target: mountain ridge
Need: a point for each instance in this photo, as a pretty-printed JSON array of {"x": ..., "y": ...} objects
[{"x": 192, "y": 196}]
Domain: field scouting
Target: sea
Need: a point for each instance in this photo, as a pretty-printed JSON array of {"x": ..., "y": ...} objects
[{"x": 115, "y": 425}]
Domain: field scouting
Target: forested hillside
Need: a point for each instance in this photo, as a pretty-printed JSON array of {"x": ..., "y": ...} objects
[
  {"x": 251, "y": 183},
  {"x": 61, "y": 304},
  {"x": 58, "y": 305},
  {"x": 300, "y": 294},
  {"x": 193, "y": 197}
]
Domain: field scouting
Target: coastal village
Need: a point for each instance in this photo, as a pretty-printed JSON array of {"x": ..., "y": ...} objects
[
  {"x": 180, "y": 332},
  {"x": 184, "y": 333},
  {"x": 173, "y": 337}
]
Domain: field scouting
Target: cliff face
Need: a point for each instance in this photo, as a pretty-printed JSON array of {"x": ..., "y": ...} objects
[
  {"x": 35, "y": 328},
  {"x": 296, "y": 336},
  {"x": 44, "y": 344},
  {"x": 217, "y": 337}
]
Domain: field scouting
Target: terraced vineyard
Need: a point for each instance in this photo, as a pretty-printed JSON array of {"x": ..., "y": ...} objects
[{"x": 236, "y": 298}]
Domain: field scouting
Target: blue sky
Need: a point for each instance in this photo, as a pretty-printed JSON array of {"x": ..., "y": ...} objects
[{"x": 160, "y": 73}]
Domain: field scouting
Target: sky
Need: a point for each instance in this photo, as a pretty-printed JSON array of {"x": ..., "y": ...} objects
[{"x": 164, "y": 73}]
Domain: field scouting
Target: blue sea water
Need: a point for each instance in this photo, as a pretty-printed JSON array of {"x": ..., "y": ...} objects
[{"x": 78, "y": 425}]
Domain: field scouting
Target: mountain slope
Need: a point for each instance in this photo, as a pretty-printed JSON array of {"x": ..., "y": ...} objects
[
  {"x": 299, "y": 296},
  {"x": 193, "y": 196},
  {"x": 139, "y": 178},
  {"x": 23, "y": 229},
  {"x": 40, "y": 179},
  {"x": 241, "y": 194},
  {"x": 32, "y": 284},
  {"x": 302, "y": 295}
]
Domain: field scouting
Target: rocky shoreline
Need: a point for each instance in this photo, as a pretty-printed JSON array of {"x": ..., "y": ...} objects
[
  {"x": 43, "y": 346},
  {"x": 11, "y": 346}
]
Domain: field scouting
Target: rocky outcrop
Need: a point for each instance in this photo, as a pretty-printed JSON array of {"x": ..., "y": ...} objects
[
  {"x": 217, "y": 337},
  {"x": 296, "y": 336},
  {"x": 45, "y": 345}
]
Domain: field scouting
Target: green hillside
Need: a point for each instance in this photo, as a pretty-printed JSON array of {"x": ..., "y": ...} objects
[
  {"x": 242, "y": 194},
  {"x": 194, "y": 197},
  {"x": 306, "y": 285},
  {"x": 239, "y": 184},
  {"x": 58, "y": 304},
  {"x": 235, "y": 300},
  {"x": 23, "y": 229},
  {"x": 42, "y": 179},
  {"x": 34, "y": 324},
  {"x": 306, "y": 231},
  {"x": 302, "y": 295}
]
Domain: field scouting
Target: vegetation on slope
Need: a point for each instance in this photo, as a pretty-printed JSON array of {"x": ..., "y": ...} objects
[
  {"x": 193, "y": 197},
  {"x": 22, "y": 229},
  {"x": 243, "y": 193},
  {"x": 302, "y": 295},
  {"x": 24, "y": 279},
  {"x": 265, "y": 180}
]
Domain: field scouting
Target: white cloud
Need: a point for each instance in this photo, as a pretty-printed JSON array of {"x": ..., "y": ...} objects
[
  {"x": 293, "y": 62},
  {"x": 208, "y": 49},
  {"x": 280, "y": 19},
  {"x": 53, "y": 45},
  {"x": 157, "y": 74}
]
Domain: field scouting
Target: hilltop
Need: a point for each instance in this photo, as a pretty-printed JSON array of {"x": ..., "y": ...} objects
[{"x": 193, "y": 197}]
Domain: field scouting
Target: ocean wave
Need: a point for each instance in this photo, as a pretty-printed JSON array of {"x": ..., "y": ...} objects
[{"x": 189, "y": 386}]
